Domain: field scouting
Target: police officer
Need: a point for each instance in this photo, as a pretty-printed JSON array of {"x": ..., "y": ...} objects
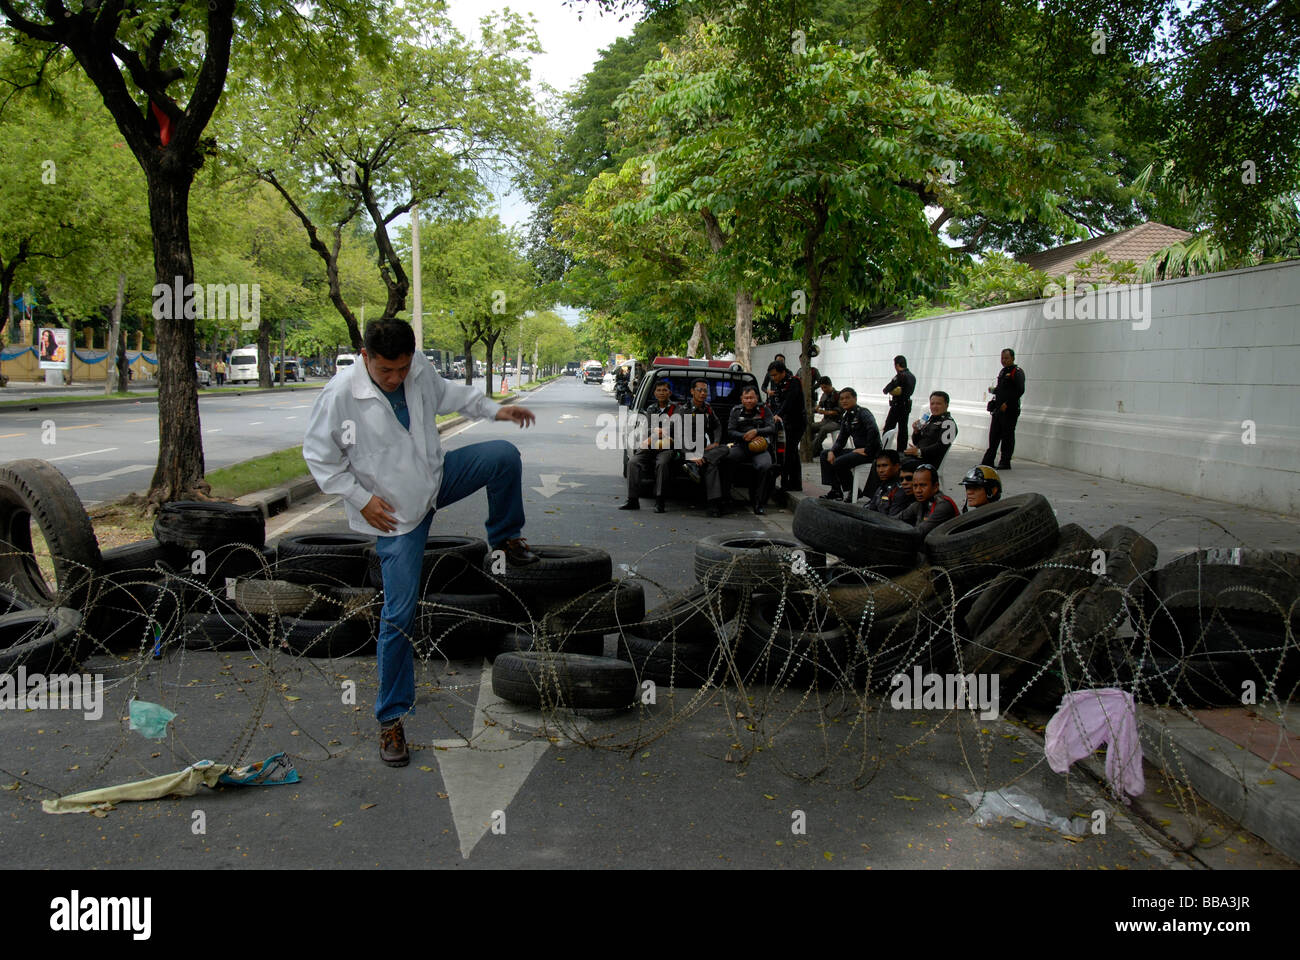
[
  {"x": 701, "y": 426},
  {"x": 934, "y": 434},
  {"x": 899, "y": 390},
  {"x": 932, "y": 506},
  {"x": 983, "y": 485},
  {"x": 889, "y": 498},
  {"x": 1005, "y": 407},
  {"x": 751, "y": 430},
  {"x": 789, "y": 409},
  {"x": 858, "y": 443},
  {"x": 828, "y": 404},
  {"x": 656, "y": 449}
]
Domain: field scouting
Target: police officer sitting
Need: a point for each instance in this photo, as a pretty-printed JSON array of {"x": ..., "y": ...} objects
[
  {"x": 750, "y": 433},
  {"x": 933, "y": 434},
  {"x": 889, "y": 498},
  {"x": 932, "y": 506},
  {"x": 828, "y": 405},
  {"x": 983, "y": 486},
  {"x": 656, "y": 449},
  {"x": 858, "y": 443},
  {"x": 703, "y": 430}
]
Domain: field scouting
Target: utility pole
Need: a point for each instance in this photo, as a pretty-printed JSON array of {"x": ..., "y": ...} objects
[
  {"x": 282, "y": 350},
  {"x": 417, "y": 313}
]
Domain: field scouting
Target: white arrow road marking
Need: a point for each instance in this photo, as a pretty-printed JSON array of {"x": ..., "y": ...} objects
[
  {"x": 131, "y": 468},
  {"x": 552, "y": 484},
  {"x": 484, "y": 776}
]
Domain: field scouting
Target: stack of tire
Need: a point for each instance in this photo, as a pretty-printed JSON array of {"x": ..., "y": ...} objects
[
  {"x": 1219, "y": 623},
  {"x": 570, "y": 604},
  {"x": 41, "y": 624}
]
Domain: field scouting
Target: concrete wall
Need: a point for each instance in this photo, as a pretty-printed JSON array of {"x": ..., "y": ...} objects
[{"x": 1151, "y": 387}]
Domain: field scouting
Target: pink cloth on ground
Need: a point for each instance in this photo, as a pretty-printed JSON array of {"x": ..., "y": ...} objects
[{"x": 1089, "y": 718}]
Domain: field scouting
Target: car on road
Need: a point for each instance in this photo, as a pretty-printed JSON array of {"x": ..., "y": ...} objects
[
  {"x": 593, "y": 372},
  {"x": 726, "y": 380},
  {"x": 204, "y": 377},
  {"x": 292, "y": 371},
  {"x": 344, "y": 361}
]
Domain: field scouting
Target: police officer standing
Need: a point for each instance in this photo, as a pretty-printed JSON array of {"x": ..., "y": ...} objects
[
  {"x": 656, "y": 449},
  {"x": 789, "y": 409},
  {"x": 705, "y": 432},
  {"x": 858, "y": 443},
  {"x": 899, "y": 390},
  {"x": 750, "y": 432},
  {"x": 1005, "y": 407}
]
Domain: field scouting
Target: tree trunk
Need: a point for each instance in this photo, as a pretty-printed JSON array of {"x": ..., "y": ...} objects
[
  {"x": 469, "y": 361},
  {"x": 744, "y": 327},
  {"x": 111, "y": 370},
  {"x": 264, "y": 353},
  {"x": 805, "y": 359},
  {"x": 491, "y": 344},
  {"x": 179, "y": 475}
]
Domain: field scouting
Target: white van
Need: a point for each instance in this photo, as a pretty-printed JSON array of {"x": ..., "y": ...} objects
[
  {"x": 344, "y": 361},
  {"x": 243, "y": 365}
]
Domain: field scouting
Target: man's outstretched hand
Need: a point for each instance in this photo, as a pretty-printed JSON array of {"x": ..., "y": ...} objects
[
  {"x": 520, "y": 415},
  {"x": 379, "y": 514}
]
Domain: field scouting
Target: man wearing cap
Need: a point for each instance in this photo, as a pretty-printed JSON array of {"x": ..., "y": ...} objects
[
  {"x": 932, "y": 506},
  {"x": 983, "y": 486}
]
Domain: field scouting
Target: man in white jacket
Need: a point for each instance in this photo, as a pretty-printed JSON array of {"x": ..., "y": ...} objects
[{"x": 373, "y": 440}]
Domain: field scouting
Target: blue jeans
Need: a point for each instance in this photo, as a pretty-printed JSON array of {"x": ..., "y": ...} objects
[{"x": 494, "y": 464}]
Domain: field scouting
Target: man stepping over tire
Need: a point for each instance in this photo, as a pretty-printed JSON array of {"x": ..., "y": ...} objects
[
  {"x": 372, "y": 439},
  {"x": 934, "y": 433},
  {"x": 889, "y": 498},
  {"x": 858, "y": 443},
  {"x": 932, "y": 506},
  {"x": 705, "y": 433},
  {"x": 655, "y": 451},
  {"x": 983, "y": 486},
  {"x": 750, "y": 432}
]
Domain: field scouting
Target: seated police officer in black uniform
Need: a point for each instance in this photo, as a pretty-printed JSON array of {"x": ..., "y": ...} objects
[
  {"x": 858, "y": 443},
  {"x": 933, "y": 435},
  {"x": 983, "y": 486},
  {"x": 899, "y": 390},
  {"x": 889, "y": 498},
  {"x": 828, "y": 404},
  {"x": 703, "y": 430},
  {"x": 932, "y": 506},
  {"x": 788, "y": 408},
  {"x": 750, "y": 433},
  {"x": 656, "y": 449}
]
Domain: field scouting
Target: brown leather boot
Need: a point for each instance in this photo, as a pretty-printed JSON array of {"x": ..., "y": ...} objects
[{"x": 392, "y": 744}]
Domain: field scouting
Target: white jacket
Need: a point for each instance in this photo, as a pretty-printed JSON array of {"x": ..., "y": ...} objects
[{"x": 355, "y": 446}]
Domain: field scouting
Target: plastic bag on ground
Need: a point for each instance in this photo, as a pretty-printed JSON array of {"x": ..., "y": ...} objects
[{"x": 990, "y": 806}]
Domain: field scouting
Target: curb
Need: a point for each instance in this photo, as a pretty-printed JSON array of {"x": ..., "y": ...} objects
[
  {"x": 18, "y": 406},
  {"x": 274, "y": 501}
]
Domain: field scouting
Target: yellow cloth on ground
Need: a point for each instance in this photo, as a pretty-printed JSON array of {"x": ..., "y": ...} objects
[{"x": 182, "y": 783}]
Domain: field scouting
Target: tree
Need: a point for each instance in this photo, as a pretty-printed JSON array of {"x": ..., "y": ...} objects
[
  {"x": 420, "y": 129},
  {"x": 161, "y": 69}
]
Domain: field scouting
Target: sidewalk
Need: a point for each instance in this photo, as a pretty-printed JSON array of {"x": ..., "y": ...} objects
[{"x": 1243, "y": 760}]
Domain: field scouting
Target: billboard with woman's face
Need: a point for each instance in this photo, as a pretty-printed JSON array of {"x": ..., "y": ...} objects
[{"x": 53, "y": 348}]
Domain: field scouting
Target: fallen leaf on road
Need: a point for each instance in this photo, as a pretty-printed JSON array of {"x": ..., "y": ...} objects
[
  {"x": 292, "y": 698},
  {"x": 441, "y": 795},
  {"x": 900, "y": 796},
  {"x": 427, "y": 769},
  {"x": 338, "y": 823},
  {"x": 1018, "y": 824},
  {"x": 828, "y": 855},
  {"x": 768, "y": 796},
  {"x": 367, "y": 806}
]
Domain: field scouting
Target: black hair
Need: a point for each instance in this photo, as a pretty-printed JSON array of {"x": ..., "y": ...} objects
[
  {"x": 776, "y": 366},
  {"x": 900, "y": 361},
  {"x": 940, "y": 393},
  {"x": 781, "y": 355},
  {"x": 663, "y": 383},
  {"x": 910, "y": 464},
  {"x": 929, "y": 468},
  {"x": 1010, "y": 351},
  {"x": 705, "y": 382},
  {"x": 849, "y": 390},
  {"x": 390, "y": 339},
  {"x": 825, "y": 382},
  {"x": 749, "y": 389},
  {"x": 890, "y": 454}
]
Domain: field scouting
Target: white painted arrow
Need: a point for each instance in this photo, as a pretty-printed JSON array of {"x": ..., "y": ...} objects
[
  {"x": 483, "y": 776},
  {"x": 552, "y": 484}
]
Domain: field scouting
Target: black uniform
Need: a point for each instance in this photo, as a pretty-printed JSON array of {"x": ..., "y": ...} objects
[
  {"x": 701, "y": 428},
  {"x": 829, "y": 404},
  {"x": 643, "y": 458},
  {"x": 739, "y": 424},
  {"x": 900, "y": 406},
  {"x": 789, "y": 406},
  {"x": 890, "y": 499},
  {"x": 925, "y": 515},
  {"x": 1009, "y": 389},
  {"x": 857, "y": 430},
  {"x": 934, "y": 437}
]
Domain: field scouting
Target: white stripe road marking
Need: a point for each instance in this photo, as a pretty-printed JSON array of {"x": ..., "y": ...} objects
[
  {"x": 256, "y": 422},
  {"x": 88, "y": 453},
  {"x": 214, "y": 430},
  {"x": 151, "y": 441},
  {"x": 291, "y": 418},
  {"x": 132, "y": 468},
  {"x": 297, "y": 520}
]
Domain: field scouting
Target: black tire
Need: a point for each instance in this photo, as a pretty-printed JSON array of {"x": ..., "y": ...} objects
[
  {"x": 1279, "y": 561},
  {"x": 809, "y": 644},
  {"x": 1010, "y": 533},
  {"x": 273, "y": 597},
  {"x": 128, "y": 615},
  {"x": 607, "y": 609},
  {"x": 450, "y": 565},
  {"x": 751, "y": 560},
  {"x": 11, "y": 600},
  {"x": 33, "y": 491},
  {"x": 856, "y": 535},
  {"x": 1013, "y": 640},
  {"x": 41, "y": 639},
  {"x": 857, "y": 596},
  {"x": 521, "y": 641},
  {"x": 356, "y": 599},
  {"x": 1124, "y": 591},
  {"x": 1192, "y": 595},
  {"x": 189, "y": 525},
  {"x": 140, "y": 557},
  {"x": 337, "y": 559},
  {"x": 350, "y": 637},
  {"x": 693, "y": 616},
  {"x": 899, "y": 643},
  {"x": 671, "y": 663},
  {"x": 571, "y": 680},
  {"x": 228, "y": 631},
  {"x": 459, "y": 626},
  {"x": 559, "y": 574}
]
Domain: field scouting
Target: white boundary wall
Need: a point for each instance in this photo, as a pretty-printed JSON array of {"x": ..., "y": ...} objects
[{"x": 1161, "y": 405}]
